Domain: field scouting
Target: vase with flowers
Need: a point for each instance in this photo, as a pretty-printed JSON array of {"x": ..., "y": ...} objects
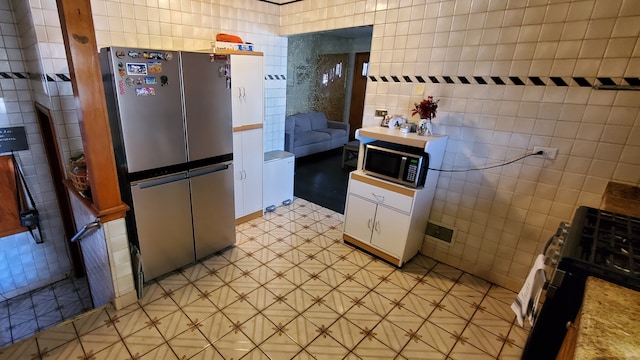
[{"x": 427, "y": 110}]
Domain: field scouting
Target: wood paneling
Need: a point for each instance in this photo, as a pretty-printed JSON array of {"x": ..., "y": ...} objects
[
  {"x": 84, "y": 66},
  {"x": 9, "y": 219},
  {"x": 358, "y": 90}
]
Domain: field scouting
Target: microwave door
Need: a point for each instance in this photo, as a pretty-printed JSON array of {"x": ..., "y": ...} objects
[{"x": 383, "y": 163}]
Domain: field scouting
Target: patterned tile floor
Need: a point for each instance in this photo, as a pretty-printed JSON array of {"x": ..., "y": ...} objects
[
  {"x": 291, "y": 289},
  {"x": 24, "y": 315}
]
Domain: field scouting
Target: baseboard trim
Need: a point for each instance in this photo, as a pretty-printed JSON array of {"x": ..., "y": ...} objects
[
  {"x": 125, "y": 300},
  {"x": 368, "y": 248},
  {"x": 248, "y": 217}
]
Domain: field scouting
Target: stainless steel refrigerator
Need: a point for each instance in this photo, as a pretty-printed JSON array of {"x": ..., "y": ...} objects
[{"x": 170, "y": 117}]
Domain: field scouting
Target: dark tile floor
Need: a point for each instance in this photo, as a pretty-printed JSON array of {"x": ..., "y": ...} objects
[
  {"x": 320, "y": 179},
  {"x": 26, "y": 314}
]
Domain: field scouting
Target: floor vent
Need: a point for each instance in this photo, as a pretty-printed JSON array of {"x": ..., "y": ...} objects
[{"x": 439, "y": 234}]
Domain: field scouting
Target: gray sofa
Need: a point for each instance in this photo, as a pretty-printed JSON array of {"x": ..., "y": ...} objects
[{"x": 310, "y": 133}]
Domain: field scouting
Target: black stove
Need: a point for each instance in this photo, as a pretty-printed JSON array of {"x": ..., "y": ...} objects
[
  {"x": 604, "y": 244},
  {"x": 598, "y": 243}
]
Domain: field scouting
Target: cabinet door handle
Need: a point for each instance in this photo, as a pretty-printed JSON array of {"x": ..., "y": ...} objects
[
  {"x": 244, "y": 172},
  {"x": 377, "y": 226},
  {"x": 244, "y": 93},
  {"x": 369, "y": 224},
  {"x": 240, "y": 93},
  {"x": 380, "y": 198}
]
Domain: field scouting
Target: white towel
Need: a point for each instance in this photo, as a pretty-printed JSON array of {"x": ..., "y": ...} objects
[{"x": 526, "y": 303}]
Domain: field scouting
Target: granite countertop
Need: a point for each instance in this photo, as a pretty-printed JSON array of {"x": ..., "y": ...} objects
[{"x": 610, "y": 322}]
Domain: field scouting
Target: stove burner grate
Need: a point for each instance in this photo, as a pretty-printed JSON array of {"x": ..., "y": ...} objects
[{"x": 610, "y": 240}]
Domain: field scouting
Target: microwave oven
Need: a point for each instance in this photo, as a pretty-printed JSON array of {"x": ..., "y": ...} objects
[{"x": 398, "y": 163}]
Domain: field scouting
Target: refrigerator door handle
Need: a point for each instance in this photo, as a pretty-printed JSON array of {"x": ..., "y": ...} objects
[
  {"x": 200, "y": 172},
  {"x": 161, "y": 181}
]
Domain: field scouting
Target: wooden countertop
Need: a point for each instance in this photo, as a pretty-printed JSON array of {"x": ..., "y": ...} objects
[
  {"x": 621, "y": 199},
  {"x": 609, "y": 326}
]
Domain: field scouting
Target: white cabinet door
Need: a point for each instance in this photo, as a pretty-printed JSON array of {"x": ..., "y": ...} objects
[
  {"x": 248, "y": 162},
  {"x": 252, "y": 161},
  {"x": 390, "y": 231},
  {"x": 359, "y": 218},
  {"x": 238, "y": 174},
  {"x": 247, "y": 89}
]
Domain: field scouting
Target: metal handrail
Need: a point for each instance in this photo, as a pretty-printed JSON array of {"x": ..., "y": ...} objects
[{"x": 82, "y": 232}]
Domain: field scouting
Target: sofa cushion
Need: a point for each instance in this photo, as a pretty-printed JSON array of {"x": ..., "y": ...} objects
[
  {"x": 311, "y": 137},
  {"x": 302, "y": 123},
  {"x": 334, "y": 133},
  {"x": 318, "y": 120}
]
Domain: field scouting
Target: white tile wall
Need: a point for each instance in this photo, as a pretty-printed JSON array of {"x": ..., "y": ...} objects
[
  {"x": 119, "y": 256},
  {"x": 506, "y": 214},
  {"x": 25, "y": 265},
  {"x": 188, "y": 25},
  {"x": 503, "y": 216}
]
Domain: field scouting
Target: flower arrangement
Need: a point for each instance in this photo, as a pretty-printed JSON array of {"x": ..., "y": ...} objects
[{"x": 426, "y": 108}]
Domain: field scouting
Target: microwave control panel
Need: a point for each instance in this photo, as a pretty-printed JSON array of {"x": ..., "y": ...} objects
[{"x": 412, "y": 171}]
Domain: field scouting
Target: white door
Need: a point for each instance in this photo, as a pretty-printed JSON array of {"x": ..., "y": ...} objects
[
  {"x": 238, "y": 174},
  {"x": 390, "y": 231},
  {"x": 247, "y": 89},
  {"x": 359, "y": 218},
  {"x": 252, "y": 161}
]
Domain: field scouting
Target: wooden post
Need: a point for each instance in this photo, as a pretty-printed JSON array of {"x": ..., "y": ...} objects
[{"x": 84, "y": 66}]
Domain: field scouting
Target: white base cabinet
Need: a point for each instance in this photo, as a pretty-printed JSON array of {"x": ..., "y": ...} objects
[
  {"x": 385, "y": 219},
  {"x": 248, "y": 161},
  {"x": 278, "y": 179},
  {"x": 247, "y": 109}
]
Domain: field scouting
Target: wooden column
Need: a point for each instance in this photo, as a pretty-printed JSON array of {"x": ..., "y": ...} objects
[{"x": 84, "y": 66}]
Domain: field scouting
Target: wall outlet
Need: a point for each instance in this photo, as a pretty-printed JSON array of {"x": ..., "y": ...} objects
[
  {"x": 548, "y": 153},
  {"x": 381, "y": 112}
]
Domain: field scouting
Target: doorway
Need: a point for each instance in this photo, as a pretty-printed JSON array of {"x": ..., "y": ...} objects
[
  {"x": 52, "y": 151},
  {"x": 309, "y": 58},
  {"x": 55, "y": 300},
  {"x": 358, "y": 92}
]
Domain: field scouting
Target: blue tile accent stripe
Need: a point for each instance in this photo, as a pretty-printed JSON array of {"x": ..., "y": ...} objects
[
  {"x": 507, "y": 80},
  {"x": 14, "y": 75},
  {"x": 536, "y": 81},
  {"x": 558, "y": 81},
  {"x": 67, "y": 77},
  {"x": 516, "y": 80},
  {"x": 466, "y": 80},
  {"x": 582, "y": 81}
]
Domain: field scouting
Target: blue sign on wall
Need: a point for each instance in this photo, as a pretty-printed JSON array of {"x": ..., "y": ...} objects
[{"x": 13, "y": 139}]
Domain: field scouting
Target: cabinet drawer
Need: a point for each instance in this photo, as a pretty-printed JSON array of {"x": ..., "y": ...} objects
[{"x": 380, "y": 195}]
